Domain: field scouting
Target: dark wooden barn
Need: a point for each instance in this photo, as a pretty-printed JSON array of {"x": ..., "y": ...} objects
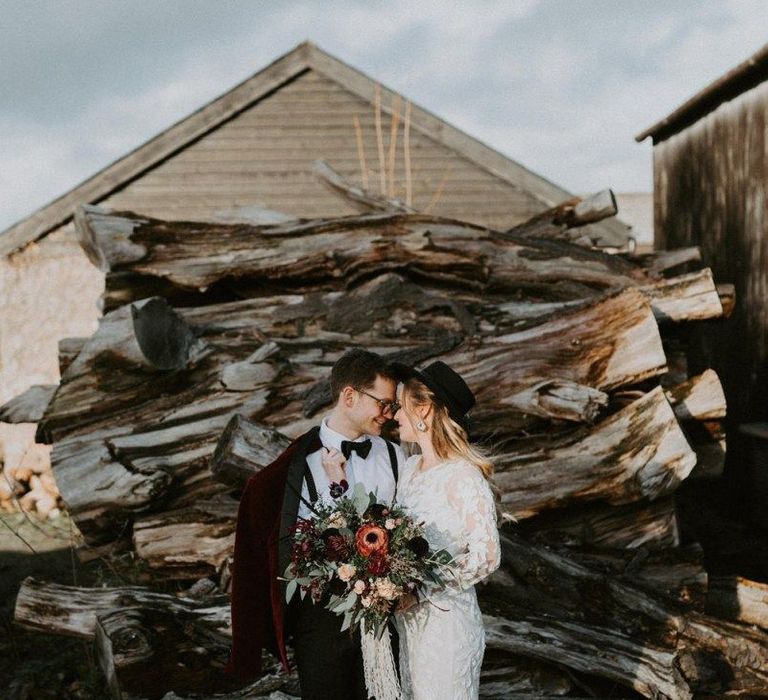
[{"x": 710, "y": 164}]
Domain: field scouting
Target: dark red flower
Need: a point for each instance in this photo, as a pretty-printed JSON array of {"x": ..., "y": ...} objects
[
  {"x": 337, "y": 548},
  {"x": 419, "y": 546},
  {"x": 376, "y": 511},
  {"x": 378, "y": 564}
]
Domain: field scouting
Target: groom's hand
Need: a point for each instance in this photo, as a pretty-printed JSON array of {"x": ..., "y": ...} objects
[{"x": 334, "y": 464}]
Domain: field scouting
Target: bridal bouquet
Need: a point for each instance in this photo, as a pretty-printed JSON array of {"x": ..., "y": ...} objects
[{"x": 364, "y": 555}]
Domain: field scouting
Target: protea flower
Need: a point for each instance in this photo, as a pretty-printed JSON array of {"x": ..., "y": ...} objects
[{"x": 371, "y": 538}]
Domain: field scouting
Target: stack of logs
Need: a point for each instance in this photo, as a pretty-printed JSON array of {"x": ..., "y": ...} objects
[
  {"x": 214, "y": 351},
  {"x": 28, "y": 484}
]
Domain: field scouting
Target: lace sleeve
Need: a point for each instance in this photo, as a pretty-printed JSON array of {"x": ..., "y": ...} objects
[{"x": 472, "y": 499}]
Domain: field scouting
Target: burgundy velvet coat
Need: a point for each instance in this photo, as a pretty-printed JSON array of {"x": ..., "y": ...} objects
[{"x": 268, "y": 508}]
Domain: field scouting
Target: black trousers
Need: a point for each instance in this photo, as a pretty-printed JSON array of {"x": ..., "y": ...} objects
[{"x": 329, "y": 661}]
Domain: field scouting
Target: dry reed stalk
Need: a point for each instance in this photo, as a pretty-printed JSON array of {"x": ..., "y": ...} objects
[
  {"x": 407, "y": 154},
  {"x": 361, "y": 152},
  {"x": 379, "y": 139},
  {"x": 438, "y": 193},
  {"x": 393, "y": 143}
]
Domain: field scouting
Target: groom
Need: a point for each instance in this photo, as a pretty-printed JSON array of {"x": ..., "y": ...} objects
[{"x": 329, "y": 661}]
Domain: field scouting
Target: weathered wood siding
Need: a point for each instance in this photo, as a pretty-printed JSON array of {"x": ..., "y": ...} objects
[
  {"x": 711, "y": 190},
  {"x": 264, "y": 157}
]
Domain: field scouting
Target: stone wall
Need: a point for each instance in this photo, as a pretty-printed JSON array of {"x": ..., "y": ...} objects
[{"x": 48, "y": 291}]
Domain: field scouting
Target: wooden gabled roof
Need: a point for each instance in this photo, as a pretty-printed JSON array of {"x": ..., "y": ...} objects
[
  {"x": 303, "y": 58},
  {"x": 736, "y": 81}
]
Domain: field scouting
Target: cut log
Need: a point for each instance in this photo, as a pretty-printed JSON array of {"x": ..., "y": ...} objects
[
  {"x": 69, "y": 348},
  {"x": 149, "y": 650},
  {"x": 677, "y": 573},
  {"x": 688, "y": 297},
  {"x": 72, "y": 610},
  {"x": 509, "y": 676},
  {"x": 594, "y": 208},
  {"x": 649, "y": 670},
  {"x": 291, "y": 256},
  {"x": 700, "y": 398},
  {"x": 709, "y": 442},
  {"x": 190, "y": 542},
  {"x": 571, "y": 213},
  {"x": 141, "y": 437},
  {"x": 359, "y": 198},
  {"x": 663, "y": 260},
  {"x": 546, "y": 606},
  {"x": 639, "y": 452},
  {"x": 651, "y": 526},
  {"x": 165, "y": 340},
  {"x": 28, "y": 407},
  {"x": 105, "y": 479},
  {"x": 727, "y": 294},
  {"x": 572, "y": 347},
  {"x": 243, "y": 449},
  {"x": 739, "y": 599}
]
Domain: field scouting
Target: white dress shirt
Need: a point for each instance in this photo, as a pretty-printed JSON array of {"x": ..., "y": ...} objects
[{"x": 374, "y": 472}]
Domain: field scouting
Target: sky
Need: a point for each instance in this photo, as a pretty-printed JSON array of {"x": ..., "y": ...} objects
[{"x": 561, "y": 86}]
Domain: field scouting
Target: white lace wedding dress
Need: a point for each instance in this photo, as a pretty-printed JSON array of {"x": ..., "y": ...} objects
[{"x": 442, "y": 639}]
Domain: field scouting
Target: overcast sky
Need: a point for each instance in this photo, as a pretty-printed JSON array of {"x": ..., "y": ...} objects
[{"x": 562, "y": 86}]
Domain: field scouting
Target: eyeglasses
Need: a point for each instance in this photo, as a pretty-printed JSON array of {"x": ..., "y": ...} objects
[{"x": 384, "y": 405}]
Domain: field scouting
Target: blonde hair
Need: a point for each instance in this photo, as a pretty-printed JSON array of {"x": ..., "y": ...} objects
[{"x": 449, "y": 439}]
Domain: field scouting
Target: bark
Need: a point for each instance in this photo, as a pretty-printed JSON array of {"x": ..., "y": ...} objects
[
  {"x": 179, "y": 259},
  {"x": 572, "y": 213},
  {"x": 664, "y": 260},
  {"x": 150, "y": 650},
  {"x": 639, "y": 452},
  {"x": 650, "y": 525},
  {"x": 190, "y": 542},
  {"x": 73, "y": 610},
  {"x": 688, "y": 297},
  {"x": 739, "y": 599},
  {"x": 243, "y": 449},
  {"x": 700, "y": 398},
  {"x": 677, "y": 573},
  {"x": 552, "y": 607}
]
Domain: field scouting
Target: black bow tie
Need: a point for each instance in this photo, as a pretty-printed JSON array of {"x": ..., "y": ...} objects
[{"x": 363, "y": 447}]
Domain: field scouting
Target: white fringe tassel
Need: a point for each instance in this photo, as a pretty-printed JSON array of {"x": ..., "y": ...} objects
[{"x": 379, "y": 665}]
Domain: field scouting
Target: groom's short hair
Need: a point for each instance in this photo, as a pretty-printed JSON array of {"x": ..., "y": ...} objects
[{"x": 358, "y": 368}]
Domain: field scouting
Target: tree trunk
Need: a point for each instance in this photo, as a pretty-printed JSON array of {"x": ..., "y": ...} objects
[{"x": 639, "y": 452}]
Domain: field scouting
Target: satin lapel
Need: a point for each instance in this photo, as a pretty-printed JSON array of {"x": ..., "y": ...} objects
[{"x": 293, "y": 485}]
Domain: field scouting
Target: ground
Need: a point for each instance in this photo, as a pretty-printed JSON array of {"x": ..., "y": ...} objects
[{"x": 33, "y": 665}]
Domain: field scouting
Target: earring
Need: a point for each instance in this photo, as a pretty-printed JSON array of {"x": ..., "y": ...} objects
[{"x": 421, "y": 425}]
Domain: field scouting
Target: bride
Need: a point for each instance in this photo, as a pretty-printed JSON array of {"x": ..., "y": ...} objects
[{"x": 442, "y": 639}]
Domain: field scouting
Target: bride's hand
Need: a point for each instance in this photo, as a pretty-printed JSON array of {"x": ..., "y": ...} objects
[
  {"x": 334, "y": 464},
  {"x": 407, "y": 601}
]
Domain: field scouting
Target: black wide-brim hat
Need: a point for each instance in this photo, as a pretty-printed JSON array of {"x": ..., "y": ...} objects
[{"x": 447, "y": 386}]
